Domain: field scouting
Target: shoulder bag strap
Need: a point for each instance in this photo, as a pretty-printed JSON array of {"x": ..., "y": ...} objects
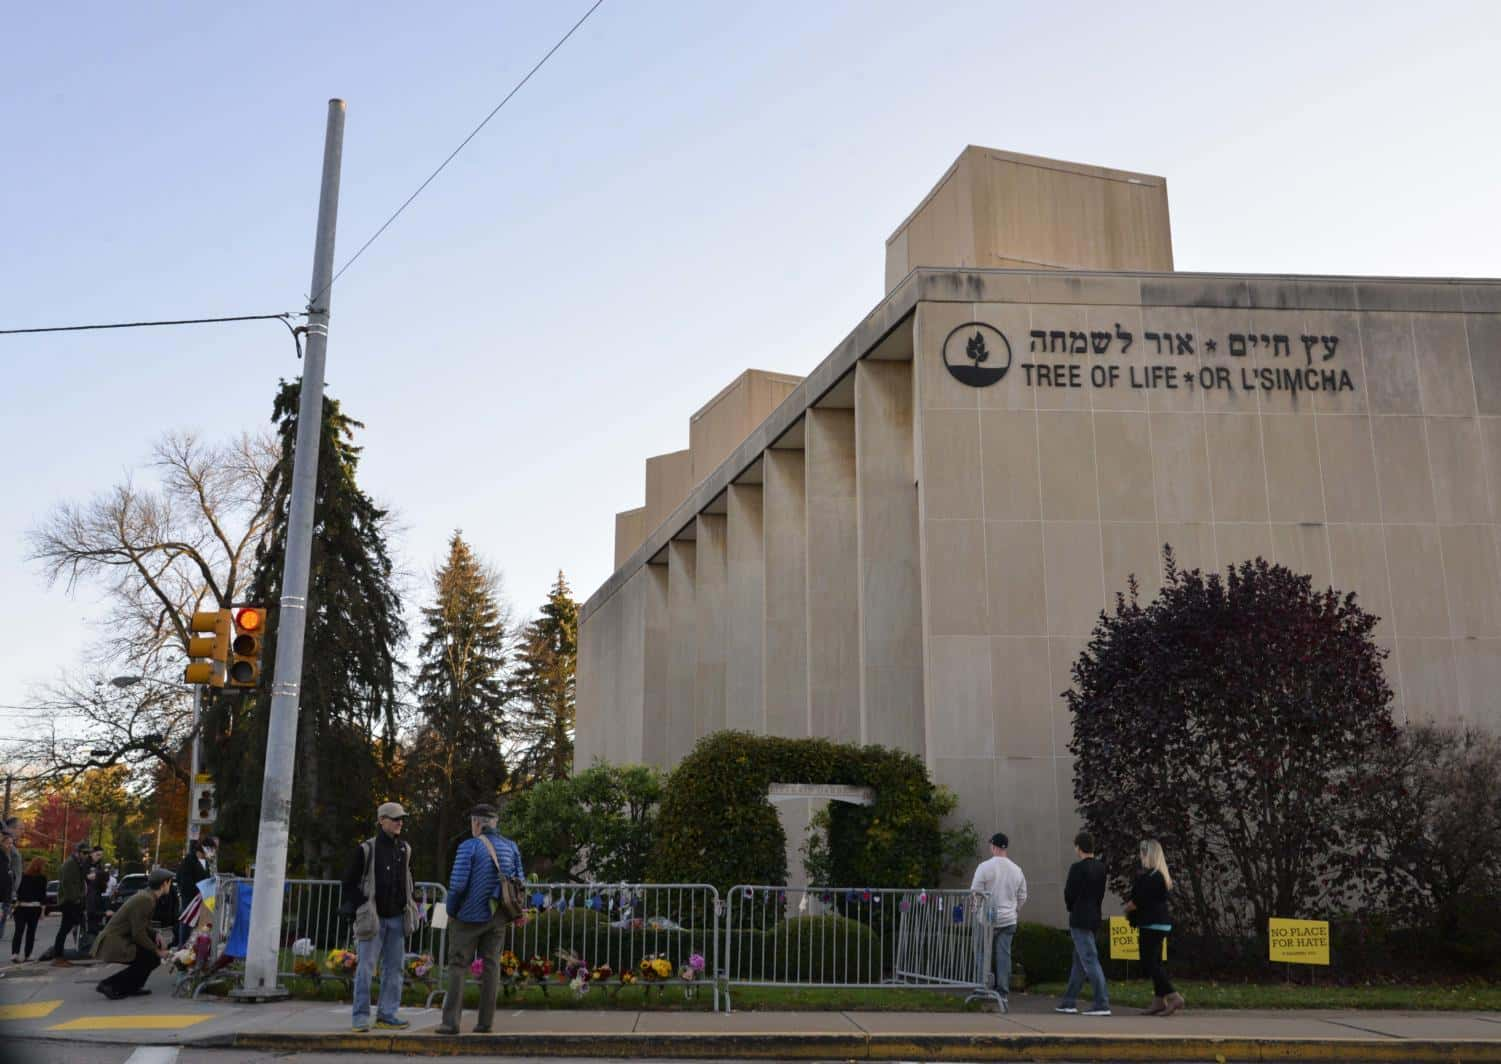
[{"x": 493, "y": 856}]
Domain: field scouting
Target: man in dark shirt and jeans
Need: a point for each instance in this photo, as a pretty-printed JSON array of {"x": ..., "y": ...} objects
[
  {"x": 1083, "y": 894},
  {"x": 378, "y": 888}
]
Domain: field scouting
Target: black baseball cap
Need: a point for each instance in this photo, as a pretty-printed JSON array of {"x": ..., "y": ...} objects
[{"x": 999, "y": 840}]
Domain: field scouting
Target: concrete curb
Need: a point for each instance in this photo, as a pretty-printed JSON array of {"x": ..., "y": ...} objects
[{"x": 878, "y": 1047}]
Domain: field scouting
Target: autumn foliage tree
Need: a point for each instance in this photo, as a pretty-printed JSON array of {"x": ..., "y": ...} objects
[{"x": 1237, "y": 719}]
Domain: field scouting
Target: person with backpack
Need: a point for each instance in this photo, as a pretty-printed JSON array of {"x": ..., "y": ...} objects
[
  {"x": 478, "y": 910},
  {"x": 381, "y": 898}
]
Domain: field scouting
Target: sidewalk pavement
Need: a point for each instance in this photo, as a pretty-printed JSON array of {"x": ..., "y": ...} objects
[{"x": 38, "y": 1001}]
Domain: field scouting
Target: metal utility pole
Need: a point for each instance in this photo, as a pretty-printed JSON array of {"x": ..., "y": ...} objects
[
  {"x": 260, "y": 983},
  {"x": 8, "y": 779},
  {"x": 192, "y": 828}
]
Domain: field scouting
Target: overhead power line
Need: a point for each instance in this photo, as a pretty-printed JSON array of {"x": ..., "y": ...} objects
[
  {"x": 286, "y": 318},
  {"x": 462, "y": 145}
]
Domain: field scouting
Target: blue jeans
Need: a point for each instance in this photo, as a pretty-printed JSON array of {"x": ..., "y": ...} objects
[
  {"x": 1003, "y": 937},
  {"x": 389, "y": 948},
  {"x": 1086, "y": 966}
]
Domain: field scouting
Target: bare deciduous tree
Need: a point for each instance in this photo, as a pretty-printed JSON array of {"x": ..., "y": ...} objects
[{"x": 160, "y": 553}]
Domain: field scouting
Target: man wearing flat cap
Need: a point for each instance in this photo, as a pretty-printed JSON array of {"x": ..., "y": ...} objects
[
  {"x": 127, "y": 940},
  {"x": 474, "y": 928},
  {"x": 378, "y": 889}
]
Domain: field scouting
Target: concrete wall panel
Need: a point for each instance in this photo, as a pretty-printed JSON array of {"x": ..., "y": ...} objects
[
  {"x": 890, "y": 597},
  {"x": 833, "y": 575},
  {"x": 785, "y": 516},
  {"x": 745, "y": 635},
  {"x": 711, "y": 604}
]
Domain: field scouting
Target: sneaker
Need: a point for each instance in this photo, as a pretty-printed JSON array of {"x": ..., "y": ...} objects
[
  {"x": 1097, "y": 1012},
  {"x": 392, "y": 1025},
  {"x": 1070, "y": 1010},
  {"x": 1005, "y": 1004},
  {"x": 361, "y": 1027}
]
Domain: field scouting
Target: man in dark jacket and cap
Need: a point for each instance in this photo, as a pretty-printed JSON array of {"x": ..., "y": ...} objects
[{"x": 127, "y": 940}]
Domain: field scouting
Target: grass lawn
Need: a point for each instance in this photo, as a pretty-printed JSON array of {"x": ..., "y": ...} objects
[
  {"x": 1124, "y": 994},
  {"x": 1468, "y": 997}
]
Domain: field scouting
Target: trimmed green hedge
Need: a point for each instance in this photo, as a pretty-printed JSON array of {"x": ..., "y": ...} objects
[
  {"x": 717, "y": 826},
  {"x": 1044, "y": 954}
]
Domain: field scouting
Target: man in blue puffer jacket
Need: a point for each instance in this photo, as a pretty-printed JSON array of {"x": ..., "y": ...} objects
[{"x": 473, "y": 927}]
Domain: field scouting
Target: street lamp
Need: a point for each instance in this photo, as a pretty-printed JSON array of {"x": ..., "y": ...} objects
[{"x": 123, "y": 682}]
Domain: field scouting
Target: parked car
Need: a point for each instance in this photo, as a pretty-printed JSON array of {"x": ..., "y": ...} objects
[{"x": 128, "y": 885}]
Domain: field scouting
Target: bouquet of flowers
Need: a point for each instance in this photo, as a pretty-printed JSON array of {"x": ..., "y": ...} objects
[
  {"x": 420, "y": 966},
  {"x": 601, "y": 974},
  {"x": 537, "y": 968},
  {"x": 341, "y": 961},
  {"x": 305, "y": 966},
  {"x": 693, "y": 969},
  {"x": 627, "y": 977},
  {"x": 181, "y": 961},
  {"x": 510, "y": 965},
  {"x": 655, "y": 967}
]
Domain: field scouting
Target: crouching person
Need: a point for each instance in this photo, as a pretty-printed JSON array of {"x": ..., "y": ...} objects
[
  {"x": 127, "y": 940},
  {"x": 473, "y": 926}
]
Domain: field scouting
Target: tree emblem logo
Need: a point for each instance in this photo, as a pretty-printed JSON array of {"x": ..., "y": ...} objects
[{"x": 977, "y": 354}]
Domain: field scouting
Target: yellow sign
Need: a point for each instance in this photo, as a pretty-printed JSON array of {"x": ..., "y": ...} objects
[
  {"x": 1124, "y": 945},
  {"x": 203, "y": 777},
  {"x": 1299, "y": 941}
]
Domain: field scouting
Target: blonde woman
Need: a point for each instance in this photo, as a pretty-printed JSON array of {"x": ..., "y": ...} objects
[{"x": 1147, "y": 908}]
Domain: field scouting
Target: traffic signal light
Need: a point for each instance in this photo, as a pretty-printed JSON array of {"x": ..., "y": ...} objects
[
  {"x": 245, "y": 651},
  {"x": 214, "y": 647},
  {"x": 204, "y": 809}
]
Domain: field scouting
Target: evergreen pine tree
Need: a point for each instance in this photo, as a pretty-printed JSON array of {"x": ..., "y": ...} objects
[
  {"x": 544, "y": 707},
  {"x": 346, "y": 724},
  {"x": 456, "y": 759}
]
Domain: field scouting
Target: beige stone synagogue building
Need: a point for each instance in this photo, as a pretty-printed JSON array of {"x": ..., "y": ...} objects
[{"x": 910, "y": 545}]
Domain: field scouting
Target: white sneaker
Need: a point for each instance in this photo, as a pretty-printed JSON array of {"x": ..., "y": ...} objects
[
  {"x": 1068, "y": 1009},
  {"x": 1096, "y": 1012}
]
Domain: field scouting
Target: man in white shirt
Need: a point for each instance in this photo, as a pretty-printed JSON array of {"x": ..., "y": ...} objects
[{"x": 1001, "y": 879}]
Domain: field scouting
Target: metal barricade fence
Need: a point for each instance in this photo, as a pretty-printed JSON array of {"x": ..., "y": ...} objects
[
  {"x": 856, "y": 937},
  {"x": 311, "y": 923},
  {"x": 618, "y": 925}
]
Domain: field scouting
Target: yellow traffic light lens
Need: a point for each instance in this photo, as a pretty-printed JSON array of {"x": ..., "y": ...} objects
[
  {"x": 250, "y": 619},
  {"x": 246, "y": 646},
  {"x": 242, "y": 673},
  {"x": 199, "y": 672}
]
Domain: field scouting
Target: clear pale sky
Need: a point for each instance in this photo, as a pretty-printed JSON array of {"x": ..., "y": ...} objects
[{"x": 686, "y": 189}]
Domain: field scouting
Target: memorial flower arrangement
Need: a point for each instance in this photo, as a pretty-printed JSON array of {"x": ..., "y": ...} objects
[
  {"x": 306, "y": 967},
  {"x": 690, "y": 972},
  {"x": 420, "y": 966},
  {"x": 655, "y": 967},
  {"x": 181, "y": 961},
  {"x": 341, "y": 961},
  {"x": 627, "y": 977}
]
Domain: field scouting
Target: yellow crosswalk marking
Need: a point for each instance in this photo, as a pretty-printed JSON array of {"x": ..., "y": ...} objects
[
  {"x": 32, "y": 1010},
  {"x": 131, "y": 1023}
]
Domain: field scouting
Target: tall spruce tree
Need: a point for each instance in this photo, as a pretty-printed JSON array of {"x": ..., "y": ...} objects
[
  {"x": 455, "y": 759},
  {"x": 346, "y": 725},
  {"x": 542, "y": 730}
]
